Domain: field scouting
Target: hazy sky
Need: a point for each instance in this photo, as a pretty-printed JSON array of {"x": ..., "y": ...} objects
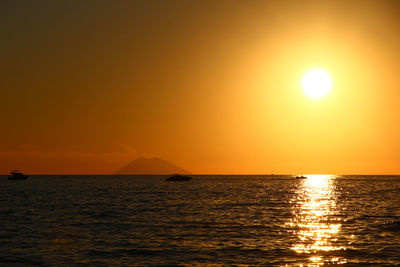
[{"x": 213, "y": 86}]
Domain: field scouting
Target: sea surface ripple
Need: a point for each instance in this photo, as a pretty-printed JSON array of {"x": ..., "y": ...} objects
[{"x": 210, "y": 221}]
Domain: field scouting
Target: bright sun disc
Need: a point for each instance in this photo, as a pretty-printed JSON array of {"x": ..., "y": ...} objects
[{"x": 316, "y": 83}]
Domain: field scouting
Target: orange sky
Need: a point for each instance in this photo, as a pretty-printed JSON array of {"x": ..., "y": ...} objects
[{"x": 213, "y": 86}]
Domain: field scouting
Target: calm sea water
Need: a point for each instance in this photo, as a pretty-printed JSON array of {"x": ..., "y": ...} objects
[{"x": 209, "y": 221}]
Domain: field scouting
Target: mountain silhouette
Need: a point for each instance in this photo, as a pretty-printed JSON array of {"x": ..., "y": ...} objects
[{"x": 151, "y": 166}]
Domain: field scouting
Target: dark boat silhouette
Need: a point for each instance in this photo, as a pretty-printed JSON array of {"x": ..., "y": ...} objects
[
  {"x": 178, "y": 178},
  {"x": 17, "y": 175},
  {"x": 301, "y": 177}
]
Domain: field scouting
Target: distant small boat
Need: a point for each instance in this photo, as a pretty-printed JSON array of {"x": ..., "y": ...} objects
[
  {"x": 17, "y": 175},
  {"x": 178, "y": 178},
  {"x": 301, "y": 177}
]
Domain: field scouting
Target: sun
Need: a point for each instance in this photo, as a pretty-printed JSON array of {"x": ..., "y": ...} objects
[{"x": 316, "y": 83}]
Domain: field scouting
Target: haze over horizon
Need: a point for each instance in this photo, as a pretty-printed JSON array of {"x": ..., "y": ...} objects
[{"x": 212, "y": 86}]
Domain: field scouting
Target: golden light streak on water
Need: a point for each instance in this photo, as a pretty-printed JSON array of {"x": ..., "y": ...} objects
[{"x": 317, "y": 230}]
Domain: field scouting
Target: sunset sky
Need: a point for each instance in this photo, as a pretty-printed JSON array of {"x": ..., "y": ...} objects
[{"x": 212, "y": 86}]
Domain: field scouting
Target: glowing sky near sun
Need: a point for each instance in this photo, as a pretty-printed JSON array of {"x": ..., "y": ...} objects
[{"x": 213, "y": 86}]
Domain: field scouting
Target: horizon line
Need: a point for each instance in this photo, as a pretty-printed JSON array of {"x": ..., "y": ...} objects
[{"x": 200, "y": 174}]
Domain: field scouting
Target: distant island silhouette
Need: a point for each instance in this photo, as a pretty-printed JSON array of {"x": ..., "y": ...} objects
[{"x": 151, "y": 166}]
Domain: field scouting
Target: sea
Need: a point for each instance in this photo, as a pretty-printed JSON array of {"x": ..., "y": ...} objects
[{"x": 223, "y": 220}]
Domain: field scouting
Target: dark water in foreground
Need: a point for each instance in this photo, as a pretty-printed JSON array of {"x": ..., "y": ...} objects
[{"x": 211, "y": 220}]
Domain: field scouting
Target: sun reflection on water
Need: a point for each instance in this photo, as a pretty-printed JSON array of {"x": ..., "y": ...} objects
[{"x": 314, "y": 220}]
